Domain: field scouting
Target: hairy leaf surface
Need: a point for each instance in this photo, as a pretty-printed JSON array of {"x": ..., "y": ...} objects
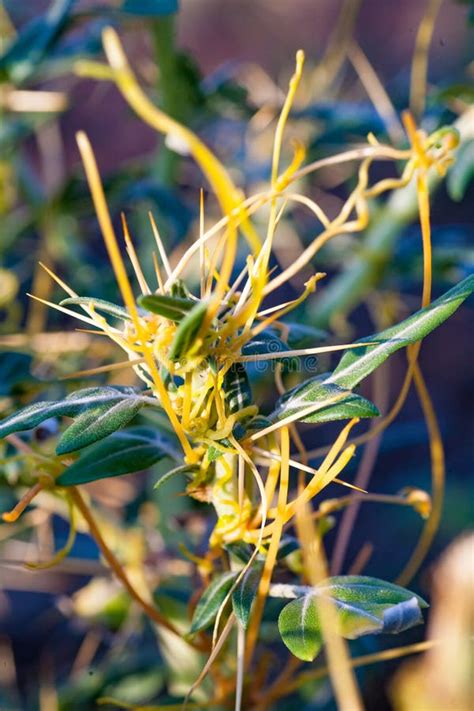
[
  {"x": 299, "y": 628},
  {"x": 112, "y": 408},
  {"x": 362, "y": 605},
  {"x": 358, "y": 363},
  {"x": 173, "y": 308},
  {"x": 123, "y": 452},
  {"x": 99, "y": 304}
]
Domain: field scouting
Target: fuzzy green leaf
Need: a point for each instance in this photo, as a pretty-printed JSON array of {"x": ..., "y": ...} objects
[
  {"x": 317, "y": 390},
  {"x": 357, "y": 364},
  {"x": 363, "y": 605},
  {"x": 122, "y": 453},
  {"x": 187, "y": 330},
  {"x": 299, "y": 628},
  {"x": 245, "y": 592},
  {"x": 88, "y": 398},
  {"x": 353, "y": 405},
  {"x": 363, "y": 588},
  {"x": 210, "y": 602},
  {"x": 367, "y": 604},
  {"x": 173, "y": 308},
  {"x": 98, "y": 423},
  {"x": 99, "y": 304}
]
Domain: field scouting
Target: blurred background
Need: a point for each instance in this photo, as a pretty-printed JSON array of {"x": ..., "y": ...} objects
[{"x": 68, "y": 635}]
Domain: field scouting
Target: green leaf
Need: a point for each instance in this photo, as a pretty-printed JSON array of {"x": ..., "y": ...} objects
[
  {"x": 150, "y": 8},
  {"x": 185, "y": 469},
  {"x": 210, "y": 602},
  {"x": 178, "y": 288},
  {"x": 287, "y": 546},
  {"x": 358, "y": 363},
  {"x": 351, "y": 406},
  {"x": 462, "y": 172},
  {"x": 99, "y": 304},
  {"x": 245, "y": 592},
  {"x": 34, "y": 40},
  {"x": 239, "y": 550},
  {"x": 173, "y": 308},
  {"x": 98, "y": 423},
  {"x": 259, "y": 422},
  {"x": 31, "y": 416},
  {"x": 99, "y": 412},
  {"x": 363, "y": 605},
  {"x": 317, "y": 390},
  {"x": 187, "y": 331},
  {"x": 367, "y": 605},
  {"x": 363, "y": 588},
  {"x": 236, "y": 386},
  {"x": 299, "y": 628},
  {"x": 121, "y": 453},
  {"x": 214, "y": 452}
]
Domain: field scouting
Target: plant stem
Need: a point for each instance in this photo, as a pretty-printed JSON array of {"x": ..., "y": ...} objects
[{"x": 173, "y": 94}]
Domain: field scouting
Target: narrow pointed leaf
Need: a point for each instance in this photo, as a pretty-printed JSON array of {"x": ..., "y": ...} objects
[
  {"x": 170, "y": 307},
  {"x": 288, "y": 545},
  {"x": 121, "y": 453},
  {"x": 461, "y": 174},
  {"x": 244, "y": 594},
  {"x": 353, "y": 405},
  {"x": 317, "y": 390},
  {"x": 99, "y": 304},
  {"x": 185, "y": 469},
  {"x": 357, "y": 364},
  {"x": 97, "y": 423},
  {"x": 239, "y": 550},
  {"x": 299, "y": 628},
  {"x": 187, "y": 331},
  {"x": 32, "y": 415},
  {"x": 210, "y": 602}
]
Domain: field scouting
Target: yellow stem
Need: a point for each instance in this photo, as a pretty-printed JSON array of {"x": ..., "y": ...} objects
[
  {"x": 110, "y": 239},
  {"x": 227, "y": 194},
  {"x": 272, "y": 553}
]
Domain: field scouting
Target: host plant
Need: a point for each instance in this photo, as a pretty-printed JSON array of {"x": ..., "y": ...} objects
[{"x": 192, "y": 352}]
